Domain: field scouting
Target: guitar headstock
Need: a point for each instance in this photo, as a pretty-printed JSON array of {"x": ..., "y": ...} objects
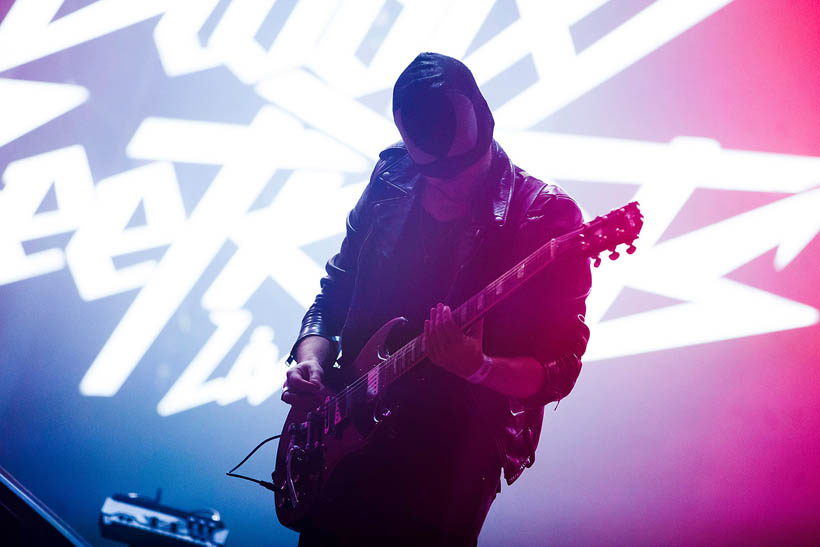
[{"x": 604, "y": 233}]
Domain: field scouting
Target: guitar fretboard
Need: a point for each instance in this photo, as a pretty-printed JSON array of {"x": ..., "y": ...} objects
[{"x": 340, "y": 406}]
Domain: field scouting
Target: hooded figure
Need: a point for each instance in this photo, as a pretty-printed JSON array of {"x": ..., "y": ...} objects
[
  {"x": 445, "y": 213},
  {"x": 441, "y": 115}
]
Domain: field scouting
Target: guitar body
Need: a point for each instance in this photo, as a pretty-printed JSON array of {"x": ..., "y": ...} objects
[{"x": 313, "y": 443}]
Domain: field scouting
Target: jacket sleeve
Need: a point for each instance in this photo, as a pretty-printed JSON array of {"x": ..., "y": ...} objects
[
  {"x": 549, "y": 311},
  {"x": 326, "y": 316}
]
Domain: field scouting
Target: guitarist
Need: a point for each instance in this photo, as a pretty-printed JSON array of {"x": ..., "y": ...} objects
[{"x": 444, "y": 214}]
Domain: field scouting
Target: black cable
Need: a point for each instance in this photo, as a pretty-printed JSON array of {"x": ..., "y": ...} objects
[{"x": 269, "y": 485}]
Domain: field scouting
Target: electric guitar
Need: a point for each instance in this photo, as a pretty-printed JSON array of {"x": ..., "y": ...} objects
[{"x": 314, "y": 442}]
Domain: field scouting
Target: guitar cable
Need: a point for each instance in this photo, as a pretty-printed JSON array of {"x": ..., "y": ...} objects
[{"x": 265, "y": 484}]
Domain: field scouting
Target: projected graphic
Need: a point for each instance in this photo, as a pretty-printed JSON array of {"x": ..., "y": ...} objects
[
  {"x": 326, "y": 78},
  {"x": 175, "y": 173}
]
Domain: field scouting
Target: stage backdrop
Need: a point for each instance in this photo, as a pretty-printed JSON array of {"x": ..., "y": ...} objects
[{"x": 176, "y": 173}]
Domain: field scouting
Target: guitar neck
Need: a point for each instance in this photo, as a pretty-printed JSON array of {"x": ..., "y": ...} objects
[
  {"x": 412, "y": 353},
  {"x": 619, "y": 226}
]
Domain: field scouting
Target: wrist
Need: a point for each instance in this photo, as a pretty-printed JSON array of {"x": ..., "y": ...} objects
[
  {"x": 482, "y": 371},
  {"x": 315, "y": 348}
]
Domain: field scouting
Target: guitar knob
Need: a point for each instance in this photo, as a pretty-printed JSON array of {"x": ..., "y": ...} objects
[
  {"x": 614, "y": 255},
  {"x": 630, "y": 249},
  {"x": 597, "y": 261}
]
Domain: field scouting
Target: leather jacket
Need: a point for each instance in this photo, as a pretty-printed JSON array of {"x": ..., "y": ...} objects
[{"x": 515, "y": 214}]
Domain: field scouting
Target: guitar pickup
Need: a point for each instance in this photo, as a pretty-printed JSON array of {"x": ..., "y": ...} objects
[{"x": 373, "y": 382}]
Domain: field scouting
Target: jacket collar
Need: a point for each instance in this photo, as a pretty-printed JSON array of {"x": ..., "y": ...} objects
[
  {"x": 402, "y": 177},
  {"x": 502, "y": 170}
]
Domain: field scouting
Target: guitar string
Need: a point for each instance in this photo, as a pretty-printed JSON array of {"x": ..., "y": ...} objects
[
  {"x": 361, "y": 382},
  {"x": 356, "y": 386}
]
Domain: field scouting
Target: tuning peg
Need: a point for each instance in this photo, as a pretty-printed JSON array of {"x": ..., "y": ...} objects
[
  {"x": 597, "y": 261},
  {"x": 630, "y": 249},
  {"x": 614, "y": 255}
]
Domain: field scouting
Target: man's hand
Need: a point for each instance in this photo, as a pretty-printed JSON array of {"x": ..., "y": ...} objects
[
  {"x": 303, "y": 385},
  {"x": 447, "y": 346}
]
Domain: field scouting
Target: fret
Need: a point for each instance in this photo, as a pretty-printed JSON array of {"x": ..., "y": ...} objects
[
  {"x": 485, "y": 299},
  {"x": 340, "y": 399},
  {"x": 387, "y": 371},
  {"x": 337, "y": 412},
  {"x": 547, "y": 252},
  {"x": 392, "y": 368}
]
